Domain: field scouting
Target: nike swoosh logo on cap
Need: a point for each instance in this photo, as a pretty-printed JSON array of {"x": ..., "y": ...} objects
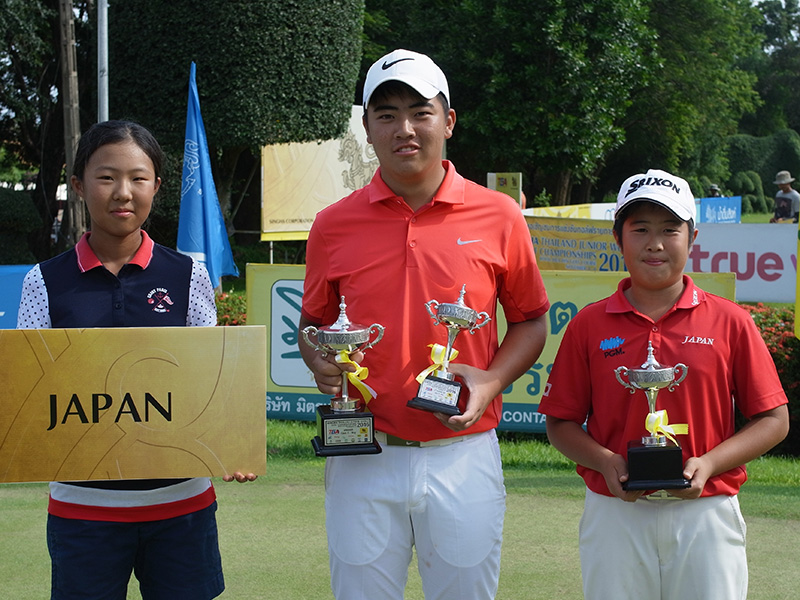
[
  {"x": 386, "y": 65},
  {"x": 461, "y": 242}
]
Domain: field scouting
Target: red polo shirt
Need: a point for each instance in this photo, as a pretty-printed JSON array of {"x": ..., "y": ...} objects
[
  {"x": 728, "y": 366},
  {"x": 388, "y": 261}
]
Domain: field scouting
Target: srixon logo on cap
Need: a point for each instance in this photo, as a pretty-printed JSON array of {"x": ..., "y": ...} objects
[{"x": 652, "y": 181}]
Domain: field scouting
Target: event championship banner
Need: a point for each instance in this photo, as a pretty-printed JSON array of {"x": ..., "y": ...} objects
[
  {"x": 575, "y": 244},
  {"x": 274, "y": 298},
  {"x": 132, "y": 403}
]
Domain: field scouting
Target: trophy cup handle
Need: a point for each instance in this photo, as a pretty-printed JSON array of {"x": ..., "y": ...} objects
[
  {"x": 430, "y": 312},
  {"x": 486, "y": 319},
  {"x": 379, "y": 329},
  {"x": 619, "y": 372},
  {"x": 684, "y": 370},
  {"x": 313, "y": 331}
]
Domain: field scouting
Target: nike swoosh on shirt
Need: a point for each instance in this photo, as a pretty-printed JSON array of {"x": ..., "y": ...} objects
[
  {"x": 386, "y": 65},
  {"x": 461, "y": 242}
]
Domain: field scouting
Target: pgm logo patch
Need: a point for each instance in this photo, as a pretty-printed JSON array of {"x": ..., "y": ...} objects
[{"x": 612, "y": 347}]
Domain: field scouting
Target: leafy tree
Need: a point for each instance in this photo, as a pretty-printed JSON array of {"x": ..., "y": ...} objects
[
  {"x": 539, "y": 87},
  {"x": 759, "y": 159},
  {"x": 776, "y": 65},
  {"x": 781, "y": 23},
  {"x": 577, "y": 91},
  {"x": 31, "y": 113},
  {"x": 267, "y": 72},
  {"x": 698, "y": 92},
  {"x": 11, "y": 172}
]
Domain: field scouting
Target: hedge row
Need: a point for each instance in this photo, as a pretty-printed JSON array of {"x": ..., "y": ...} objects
[{"x": 18, "y": 217}]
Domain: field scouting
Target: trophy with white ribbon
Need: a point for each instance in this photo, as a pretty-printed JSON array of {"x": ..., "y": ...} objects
[
  {"x": 438, "y": 390},
  {"x": 346, "y": 426},
  {"x": 655, "y": 463}
]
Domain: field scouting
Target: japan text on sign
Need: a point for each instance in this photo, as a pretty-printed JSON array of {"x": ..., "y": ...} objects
[{"x": 132, "y": 403}]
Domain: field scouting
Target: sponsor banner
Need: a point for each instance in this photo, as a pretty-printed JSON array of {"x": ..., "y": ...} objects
[
  {"x": 573, "y": 211},
  {"x": 709, "y": 210},
  {"x": 762, "y": 256},
  {"x": 508, "y": 183},
  {"x": 11, "y": 277},
  {"x": 719, "y": 210},
  {"x": 575, "y": 244},
  {"x": 300, "y": 179},
  {"x": 274, "y": 298},
  {"x": 132, "y": 403}
]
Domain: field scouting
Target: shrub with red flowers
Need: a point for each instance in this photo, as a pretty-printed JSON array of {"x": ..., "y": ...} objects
[
  {"x": 231, "y": 308},
  {"x": 777, "y": 329}
]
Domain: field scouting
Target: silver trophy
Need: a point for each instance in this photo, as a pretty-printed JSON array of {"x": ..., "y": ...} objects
[
  {"x": 439, "y": 392},
  {"x": 345, "y": 426},
  {"x": 655, "y": 462}
]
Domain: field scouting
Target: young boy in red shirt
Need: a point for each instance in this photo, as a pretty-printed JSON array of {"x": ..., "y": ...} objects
[{"x": 676, "y": 543}]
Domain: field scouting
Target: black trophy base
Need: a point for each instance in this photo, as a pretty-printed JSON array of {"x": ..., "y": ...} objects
[
  {"x": 345, "y": 450},
  {"x": 433, "y": 406},
  {"x": 344, "y": 433},
  {"x": 437, "y": 394},
  {"x": 655, "y": 467}
]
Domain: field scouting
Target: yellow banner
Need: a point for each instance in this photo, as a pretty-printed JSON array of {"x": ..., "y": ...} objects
[
  {"x": 575, "y": 244},
  {"x": 132, "y": 403},
  {"x": 508, "y": 183},
  {"x": 299, "y": 180}
]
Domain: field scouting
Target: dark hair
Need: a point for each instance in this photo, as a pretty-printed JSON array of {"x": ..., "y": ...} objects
[
  {"x": 625, "y": 213},
  {"x": 397, "y": 88},
  {"x": 116, "y": 132}
]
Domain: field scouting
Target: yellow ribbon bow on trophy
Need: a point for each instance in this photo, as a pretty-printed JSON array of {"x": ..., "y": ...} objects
[
  {"x": 437, "y": 357},
  {"x": 657, "y": 423},
  {"x": 357, "y": 378}
]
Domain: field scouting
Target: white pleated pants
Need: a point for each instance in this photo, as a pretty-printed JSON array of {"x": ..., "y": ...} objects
[
  {"x": 448, "y": 501},
  {"x": 663, "y": 549}
]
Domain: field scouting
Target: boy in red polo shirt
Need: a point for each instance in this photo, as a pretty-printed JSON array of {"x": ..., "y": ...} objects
[
  {"x": 419, "y": 231},
  {"x": 676, "y": 543}
]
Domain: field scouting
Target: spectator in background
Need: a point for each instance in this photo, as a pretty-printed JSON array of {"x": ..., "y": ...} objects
[
  {"x": 713, "y": 191},
  {"x": 787, "y": 200}
]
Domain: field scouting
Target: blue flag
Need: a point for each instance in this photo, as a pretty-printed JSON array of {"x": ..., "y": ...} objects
[{"x": 201, "y": 227}]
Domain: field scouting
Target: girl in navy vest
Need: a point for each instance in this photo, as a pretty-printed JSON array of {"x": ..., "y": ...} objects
[{"x": 98, "y": 532}]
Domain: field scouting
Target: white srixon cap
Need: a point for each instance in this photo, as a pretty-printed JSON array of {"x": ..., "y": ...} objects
[
  {"x": 660, "y": 187},
  {"x": 411, "y": 68}
]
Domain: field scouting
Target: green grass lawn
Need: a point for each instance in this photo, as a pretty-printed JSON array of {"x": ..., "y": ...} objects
[
  {"x": 272, "y": 531},
  {"x": 755, "y": 218}
]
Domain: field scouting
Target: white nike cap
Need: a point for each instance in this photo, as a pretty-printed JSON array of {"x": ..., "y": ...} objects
[
  {"x": 662, "y": 188},
  {"x": 411, "y": 68}
]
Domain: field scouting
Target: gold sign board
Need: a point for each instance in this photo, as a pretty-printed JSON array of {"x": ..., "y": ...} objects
[{"x": 132, "y": 403}]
